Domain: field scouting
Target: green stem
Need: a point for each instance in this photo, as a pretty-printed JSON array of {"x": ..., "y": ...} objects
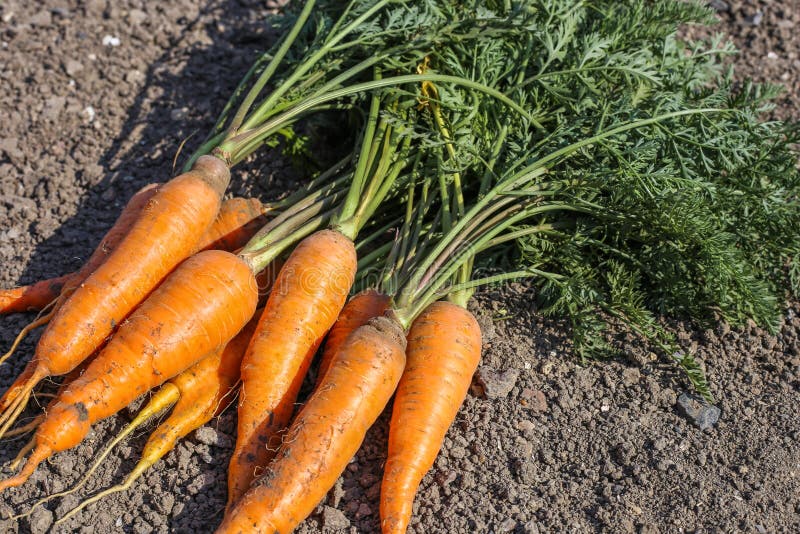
[
  {"x": 502, "y": 277},
  {"x": 259, "y": 260},
  {"x": 240, "y": 146},
  {"x": 238, "y": 119},
  {"x": 360, "y": 174},
  {"x": 264, "y": 110}
]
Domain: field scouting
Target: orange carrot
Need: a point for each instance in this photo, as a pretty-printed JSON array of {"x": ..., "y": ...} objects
[
  {"x": 198, "y": 393},
  {"x": 59, "y": 289},
  {"x": 306, "y": 298},
  {"x": 358, "y": 310},
  {"x": 65, "y": 382},
  {"x": 238, "y": 220},
  {"x": 32, "y": 297},
  {"x": 166, "y": 232},
  {"x": 326, "y": 433},
  {"x": 197, "y": 309},
  {"x": 444, "y": 347}
]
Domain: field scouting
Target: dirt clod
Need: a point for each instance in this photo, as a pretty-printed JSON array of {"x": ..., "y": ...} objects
[
  {"x": 40, "y": 520},
  {"x": 497, "y": 385},
  {"x": 333, "y": 519}
]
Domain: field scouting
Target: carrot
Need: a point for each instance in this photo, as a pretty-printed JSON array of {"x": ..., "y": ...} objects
[
  {"x": 197, "y": 309},
  {"x": 32, "y": 297},
  {"x": 167, "y": 231},
  {"x": 326, "y": 433},
  {"x": 238, "y": 220},
  {"x": 65, "y": 382},
  {"x": 198, "y": 393},
  {"x": 161, "y": 401},
  {"x": 444, "y": 347},
  {"x": 357, "y": 312},
  {"x": 306, "y": 298},
  {"x": 52, "y": 293}
]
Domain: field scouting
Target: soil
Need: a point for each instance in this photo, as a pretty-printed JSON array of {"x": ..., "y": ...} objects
[{"x": 96, "y": 97}]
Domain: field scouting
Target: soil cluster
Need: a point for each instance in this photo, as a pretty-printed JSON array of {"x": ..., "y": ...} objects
[{"x": 96, "y": 97}]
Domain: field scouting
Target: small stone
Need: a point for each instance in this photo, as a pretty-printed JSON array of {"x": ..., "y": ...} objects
[
  {"x": 10, "y": 146},
  {"x": 660, "y": 444},
  {"x": 696, "y": 409},
  {"x": 134, "y": 76},
  {"x": 178, "y": 114},
  {"x": 772, "y": 55},
  {"x": 212, "y": 437},
  {"x": 664, "y": 465},
  {"x": 72, "y": 67},
  {"x": 136, "y": 16},
  {"x": 755, "y": 19},
  {"x": 534, "y": 399},
  {"x": 720, "y": 5},
  {"x": 111, "y": 40},
  {"x": 507, "y": 525},
  {"x": 89, "y": 113},
  {"x": 531, "y": 527},
  {"x": 12, "y": 233},
  {"x": 497, "y": 384},
  {"x": 109, "y": 194},
  {"x": 42, "y": 18}
]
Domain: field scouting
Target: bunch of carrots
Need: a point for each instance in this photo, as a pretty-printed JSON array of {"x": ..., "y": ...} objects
[{"x": 541, "y": 141}]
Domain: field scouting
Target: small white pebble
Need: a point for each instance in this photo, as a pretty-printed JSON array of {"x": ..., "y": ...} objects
[
  {"x": 772, "y": 55},
  {"x": 89, "y": 112},
  {"x": 118, "y": 522},
  {"x": 92, "y": 57},
  {"x": 8, "y": 16},
  {"x": 527, "y": 365},
  {"x": 605, "y": 408},
  {"x": 110, "y": 40}
]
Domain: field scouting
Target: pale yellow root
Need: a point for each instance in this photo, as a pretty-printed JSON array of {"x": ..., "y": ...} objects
[
  {"x": 161, "y": 401},
  {"x": 39, "y": 321},
  {"x": 16, "y": 408},
  {"x": 21, "y": 455},
  {"x": 19, "y": 431},
  {"x": 129, "y": 480}
]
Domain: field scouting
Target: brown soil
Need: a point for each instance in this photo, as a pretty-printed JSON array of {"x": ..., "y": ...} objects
[{"x": 548, "y": 446}]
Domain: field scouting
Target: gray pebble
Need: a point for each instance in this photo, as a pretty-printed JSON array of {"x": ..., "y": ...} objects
[{"x": 698, "y": 411}]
